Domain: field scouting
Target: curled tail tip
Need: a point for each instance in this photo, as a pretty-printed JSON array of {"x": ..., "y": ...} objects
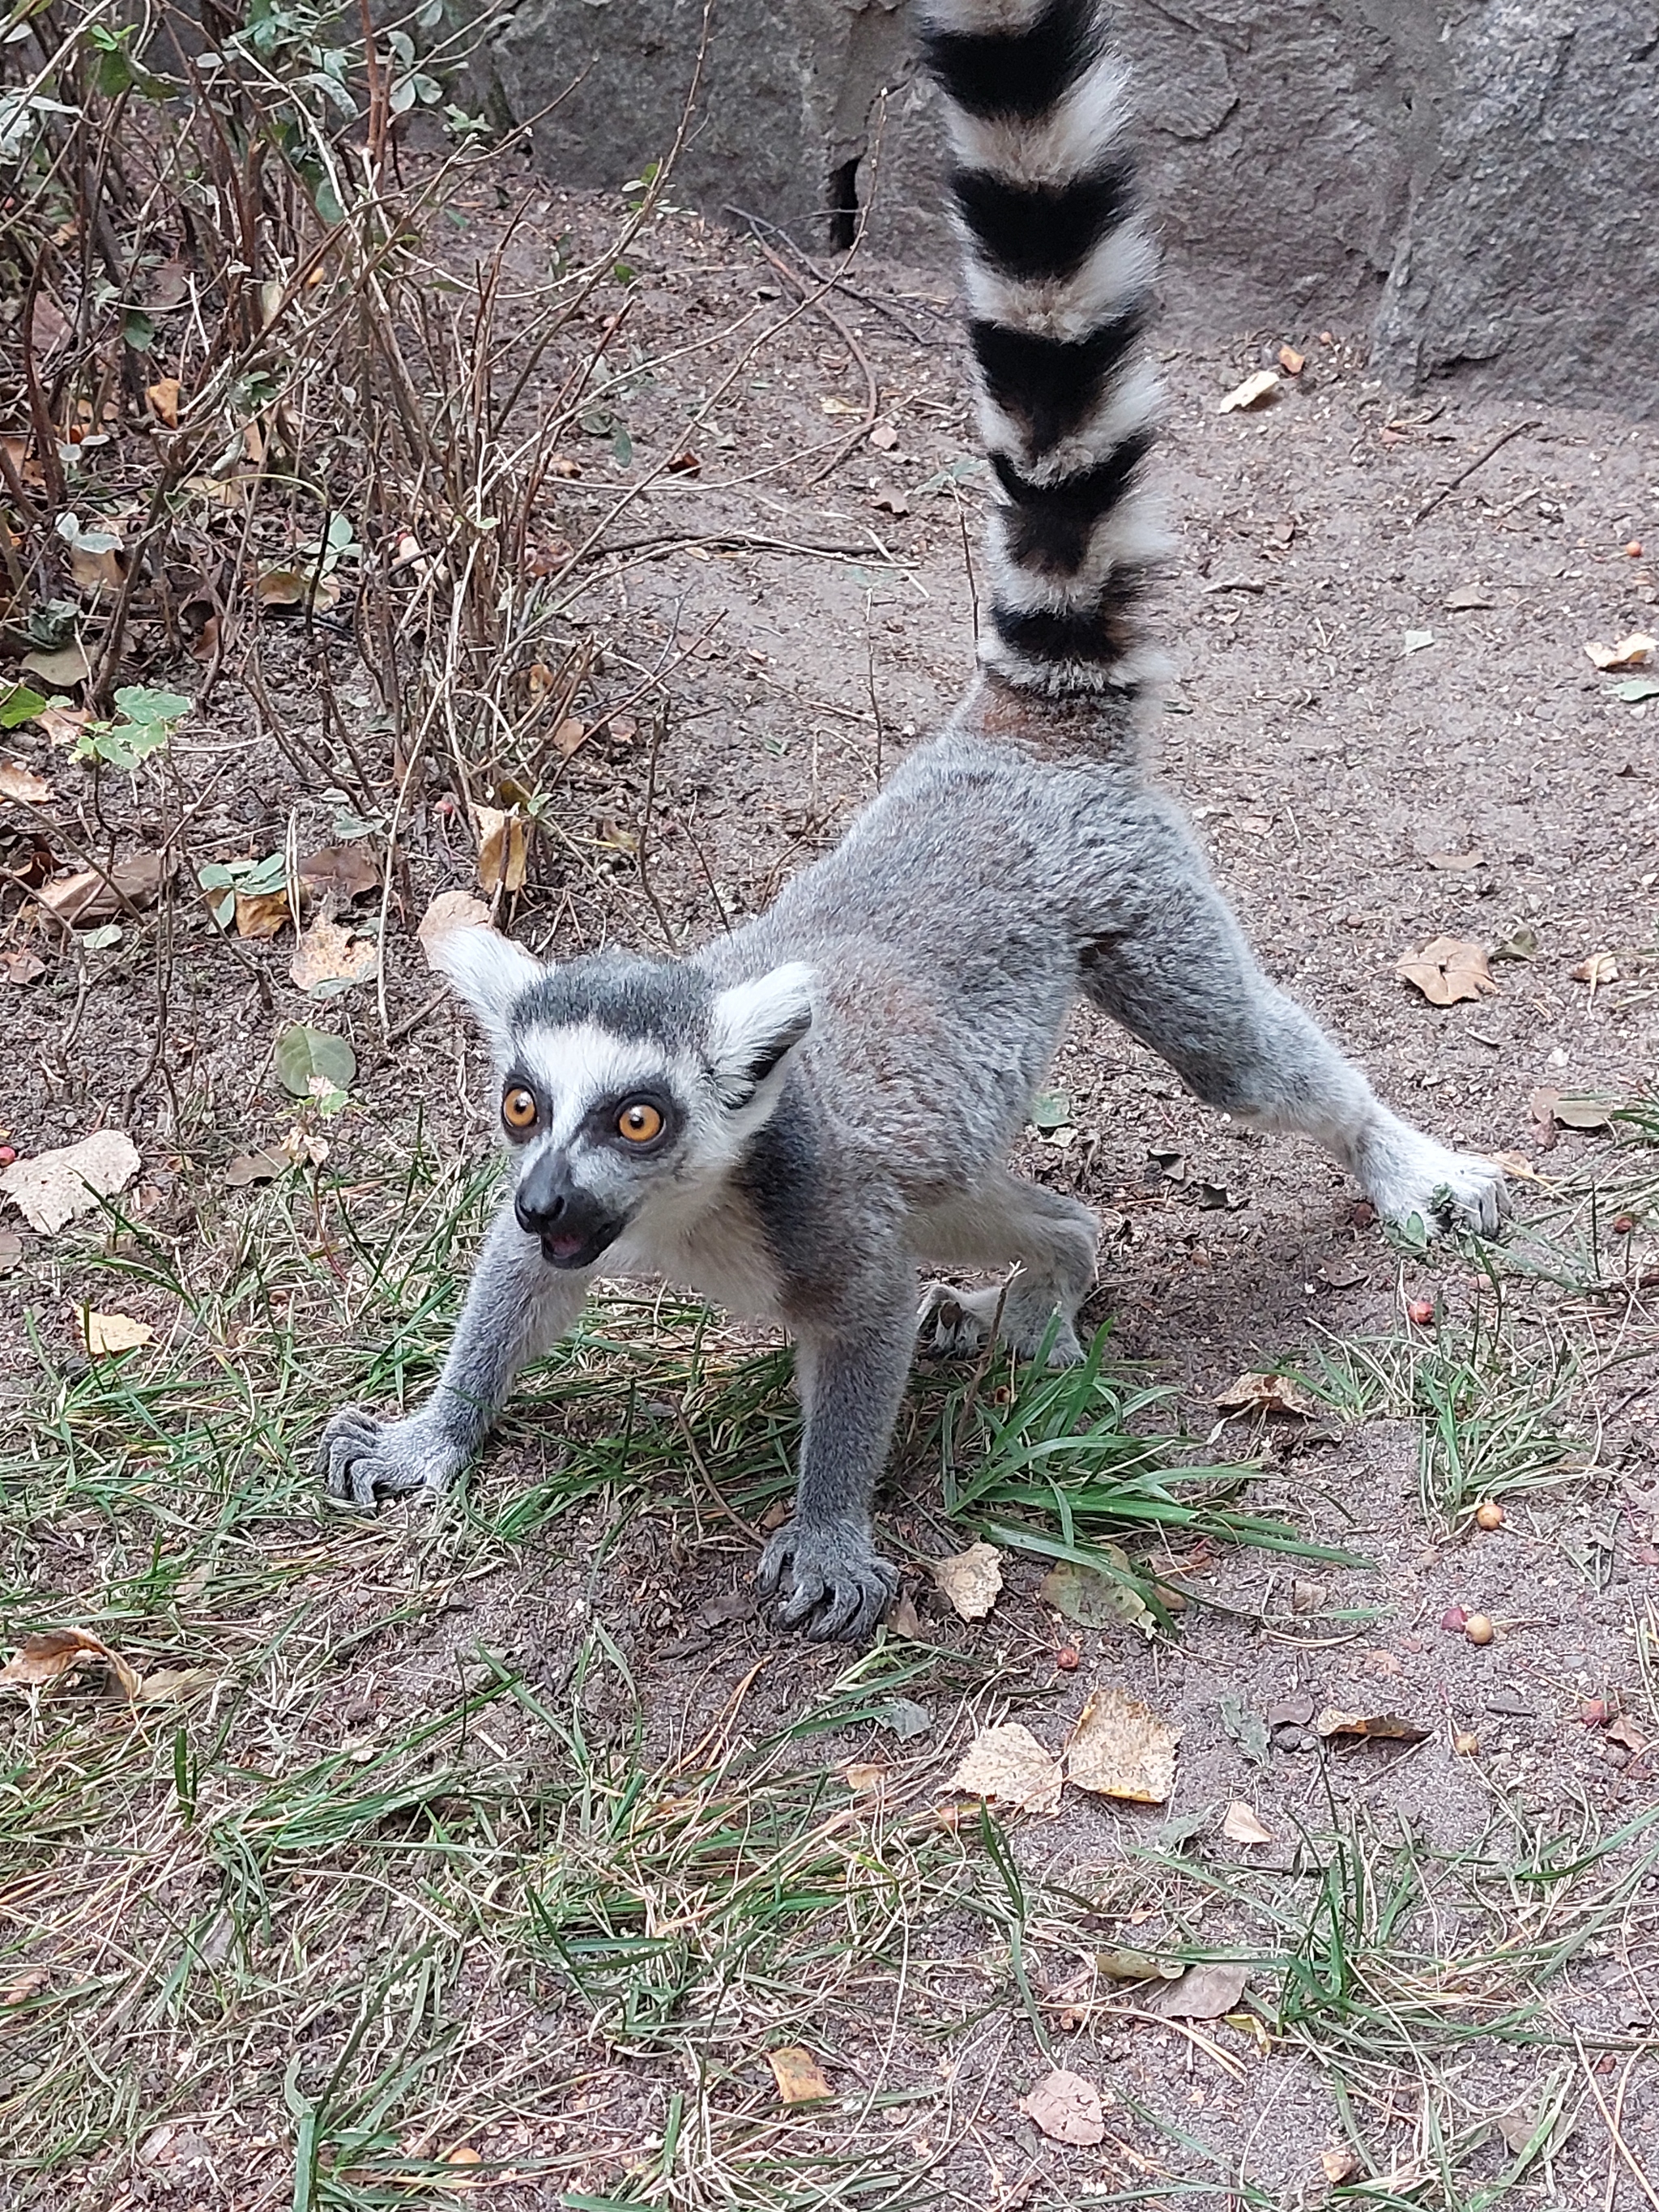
[{"x": 1059, "y": 267}]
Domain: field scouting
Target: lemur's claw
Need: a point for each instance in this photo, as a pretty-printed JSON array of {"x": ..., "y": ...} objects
[
  {"x": 363, "y": 1461},
  {"x": 839, "y": 1589}
]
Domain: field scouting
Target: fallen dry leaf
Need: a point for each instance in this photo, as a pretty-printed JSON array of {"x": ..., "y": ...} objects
[
  {"x": 1269, "y": 1393},
  {"x": 1448, "y": 969},
  {"x": 1008, "y": 1766},
  {"x": 86, "y": 897},
  {"x": 1255, "y": 391},
  {"x": 1337, "y": 2165},
  {"x": 52, "y": 1187},
  {"x": 95, "y": 571},
  {"x": 1517, "y": 1165},
  {"x": 23, "y": 783},
  {"x": 864, "y": 1777},
  {"x": 568, "y": 737},
  {"x": 342, "y": 873},
  {"x": 113, "y": 1332},
  {"x": 62, "y": 665},
  {"x": 1121, "y": 1748},
  {"x": 503, "y": 842},
  {"x": 1291, "y": 360},
  {"x": 261, "y": 913},
  {"x": 254, "y": 1167},
  {"x": 1209, "y": 1992},
  {"x": 55, "y": 1652},
  {"x": 1596, "y": 969},
  {"x": 1243, "y": 1825},
  {"x": 11, "y": 1250},
  {"x": 1546, "y": 1105},
  {"x": 62, "y": 725},
  {"x": 22, "y": 966},
  {"x": 450, "y": 910},
  {"x": 283, "y": 591},
  {"x": 1635, "y": 651},
  {"x": 799, "y": 2077},
  {"x": 29, "y": 1983},
  {"x": 1467, "y": 597},
  {"x": 1067, "y": 2108},
  {"x": 328, "y": 953},
  {"x": 1370, "y": 1728},
  {"x": 164, "y": 395},
  {"x": 970, "y": 1579}
]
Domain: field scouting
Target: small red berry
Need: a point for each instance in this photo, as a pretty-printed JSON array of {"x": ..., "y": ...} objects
[
  {"x": 1067, "y": 1660},
  {"x": 7, "y": 1156},
  {"x": 1419, "y": 1311}
]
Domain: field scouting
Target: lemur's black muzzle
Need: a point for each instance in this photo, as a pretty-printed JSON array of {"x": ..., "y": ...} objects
[{"x": 573, "y": 1226}]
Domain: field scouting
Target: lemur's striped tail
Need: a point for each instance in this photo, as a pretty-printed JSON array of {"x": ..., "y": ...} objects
[{"x": 1059, "y": 268}]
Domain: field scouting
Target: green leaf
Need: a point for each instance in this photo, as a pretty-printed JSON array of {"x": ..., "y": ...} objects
[
  {"x": 20, "y": 705},
  {"x": 312, "y": 1063},
  {"x": 140, "y": 704},
  {"x": 1050, "y": 1110},
  {"x": 1635, "y": 688},
  {"x": 138, "y": 330},
  {"x": 1246, "y": 1728},
  {"x": 101, "y": 938},
  {"x": 1095, "y": 1599},
  {"x": 216, "y": 880},
  {"x": 903, "y": 1717}
]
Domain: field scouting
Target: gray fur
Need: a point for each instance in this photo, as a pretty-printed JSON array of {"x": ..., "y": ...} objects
[{"x": 843, "y": 1079}]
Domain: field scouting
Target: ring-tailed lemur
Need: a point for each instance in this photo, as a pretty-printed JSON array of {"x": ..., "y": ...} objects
[{"x": 801, "y": 1114}]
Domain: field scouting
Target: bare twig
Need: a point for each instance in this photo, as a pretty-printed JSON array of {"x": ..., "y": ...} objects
[{"x": 1445, "y": 490}]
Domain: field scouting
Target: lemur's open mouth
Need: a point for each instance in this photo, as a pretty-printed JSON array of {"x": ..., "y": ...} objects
[{"x": 571, "y": 1252}]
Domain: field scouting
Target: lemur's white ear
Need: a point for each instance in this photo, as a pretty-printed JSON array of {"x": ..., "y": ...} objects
[
  {"x": 489, "y": 971},
  {"x": 755, "y": 1024}
]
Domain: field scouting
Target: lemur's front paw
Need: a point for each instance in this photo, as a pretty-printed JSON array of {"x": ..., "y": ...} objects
[
  {"x": 1407, "y": 1174},
  {"x": 362, "y": 1461},
  {"x": 839, "y": 1589}
]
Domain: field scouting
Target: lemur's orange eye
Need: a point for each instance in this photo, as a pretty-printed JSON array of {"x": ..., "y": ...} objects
[
  {"x": 639, "y": 1122},
  {"x": 519, "y": 1108}
]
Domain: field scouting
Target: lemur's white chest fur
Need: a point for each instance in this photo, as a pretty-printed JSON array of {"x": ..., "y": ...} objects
[{"x": 719, "y": 1252}]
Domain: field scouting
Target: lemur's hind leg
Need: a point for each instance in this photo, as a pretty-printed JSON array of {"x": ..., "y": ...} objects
[
  {"x": 1180, "y": 977},
  {"x": 1003, "y": 1222}
]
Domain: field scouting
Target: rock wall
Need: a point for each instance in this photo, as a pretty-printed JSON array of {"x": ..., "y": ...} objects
[{"x": 1477, "y": 181}]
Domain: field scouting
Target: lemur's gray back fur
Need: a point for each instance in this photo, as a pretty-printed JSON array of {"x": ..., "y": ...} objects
[{"x": 829, "y": 1095}]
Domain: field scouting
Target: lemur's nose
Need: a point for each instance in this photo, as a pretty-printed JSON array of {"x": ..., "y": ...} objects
[{"x": 543, "y": 1196}]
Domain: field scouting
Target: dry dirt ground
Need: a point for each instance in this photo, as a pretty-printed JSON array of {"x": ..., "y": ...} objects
[{"x": 482, "y": 1857}]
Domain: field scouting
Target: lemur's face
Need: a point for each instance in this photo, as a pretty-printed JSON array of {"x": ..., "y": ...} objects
[
  {"x": 626, "y": 1086},
  {"x": 600, "y": 1123}
]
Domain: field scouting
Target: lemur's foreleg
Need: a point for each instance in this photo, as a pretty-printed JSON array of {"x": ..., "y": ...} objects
[{"x": 516, "y": 1308}]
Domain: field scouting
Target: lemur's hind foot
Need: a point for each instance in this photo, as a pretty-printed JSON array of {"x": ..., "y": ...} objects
[{"x": 953, "y": 1324}]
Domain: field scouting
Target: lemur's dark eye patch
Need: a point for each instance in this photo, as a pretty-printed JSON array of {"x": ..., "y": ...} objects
[{"x": 519, "y": 1108}]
